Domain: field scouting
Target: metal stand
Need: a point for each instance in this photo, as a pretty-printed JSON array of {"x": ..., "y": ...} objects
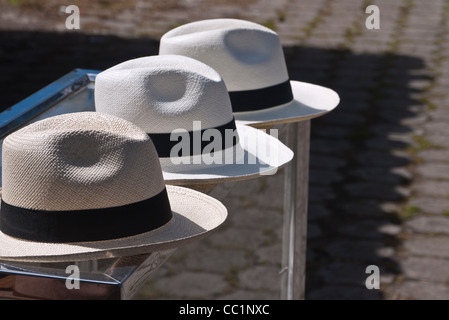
[{"x": 296, "y": 180}]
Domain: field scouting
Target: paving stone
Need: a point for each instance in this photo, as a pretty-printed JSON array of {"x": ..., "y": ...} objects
[
  {"x": 382, "y": 159},
  {"x": 259, "y": 278},
  {"x": 390, "y": 207},
  {"x": 239, "y": 238},
  {"x": 311, "y": 257},
  {"x": 385, "y": 144},
  {"x": 326, "y": 161},
  {"x": 439, "y": 115},
  {"x": 369, "y": 229},
  {"x": 441, "y": 141},
  {"x": 361, "y": 250},
  {"x": 313, "y": 231},
  {"x": 330, "y": 131},
  {"x": 344, "y": 119},
  {"x": 432, "y": 189},
  {"x": 253, "y": 192},
  {"x": 269, "y": 254},
  {"x": 330, "y": 147},
  {"x": 386, "y": 176},
  {"x": 436, "y": 246},
  {"x": 343, "y": 273},
  {"x": 355, "y": 106},
  {"x": 191, "y": 285},
  {"x": 215, "y": 260},
  {"x": 378, "y": 191},
  {"x": 275, "y": 202},
  {"x": 429, "y": 224},
  {"x": 390, "y": 229},
  {"x": 436, "y": 206},
  {"x": 421, "y": 290},
  {"x": 367, "y": 208},
  {"x": 419, "y": 84},
  {"x": 405, "y": 115},
  {"x": 426, "y": 269},
  {"x": 244, "y": 186},
  {"x": 433, "y": 171},
  {"x": 440, "y": 127},
  {"x": 359, "y": 95},
  {"x": 316, "y": 212},
  {"x": 258, "y": 219},
  {"x": 434, "y": 155},
  {"x": 385, "y": 129},
  {"x": 324, "y": 177},
  {"x": 319, "y": 193}
]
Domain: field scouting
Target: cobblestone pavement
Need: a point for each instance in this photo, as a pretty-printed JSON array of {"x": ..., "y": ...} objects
[{"x": 379, "y": 167}]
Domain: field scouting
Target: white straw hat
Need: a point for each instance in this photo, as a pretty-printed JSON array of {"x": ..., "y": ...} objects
[
  {"x": 89, "y": 186},
  {"x": 168, "y": 94},
  {"x": 251, "y": 61}
]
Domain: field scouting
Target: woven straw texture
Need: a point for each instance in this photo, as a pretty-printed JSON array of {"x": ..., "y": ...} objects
[
  {"x": 247, "y": 55},
  {"x": 88, "y": 160},
  {"x": 161, "y": 94},
  {"x": 79, "y": 161}
]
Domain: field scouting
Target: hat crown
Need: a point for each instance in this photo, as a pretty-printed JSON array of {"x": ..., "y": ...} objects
[
  {"x": 247, "y": 55},
  {"x": 164, "y": 93},
  {"x": 251, "y": 47},
  {"x": 79, "y": 161}
]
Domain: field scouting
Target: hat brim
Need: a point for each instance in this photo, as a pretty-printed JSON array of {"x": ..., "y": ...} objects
[
  {"x": 195, "y": 215},
  {"x": 263, "y": 154},
  {"x": 309, "y": 101}
]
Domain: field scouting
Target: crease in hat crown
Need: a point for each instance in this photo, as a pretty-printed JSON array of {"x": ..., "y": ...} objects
[
  {"x": 247, "y": 55},
  {"x": 79, "y": 161},
  {"x": 163, "y": 93}
]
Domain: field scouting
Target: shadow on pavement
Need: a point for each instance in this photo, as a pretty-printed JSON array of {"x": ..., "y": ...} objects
[{"x": 358, "y": 167}]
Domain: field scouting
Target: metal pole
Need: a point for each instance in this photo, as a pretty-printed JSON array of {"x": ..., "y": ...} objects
[{"x": 296, "y": 181}]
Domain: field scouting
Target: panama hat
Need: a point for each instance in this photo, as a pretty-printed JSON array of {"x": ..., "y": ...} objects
[
  {"x": 251, "y": 61},
  {"x": 88, "y": 185},
  {"x": 185, "y": 108}
]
